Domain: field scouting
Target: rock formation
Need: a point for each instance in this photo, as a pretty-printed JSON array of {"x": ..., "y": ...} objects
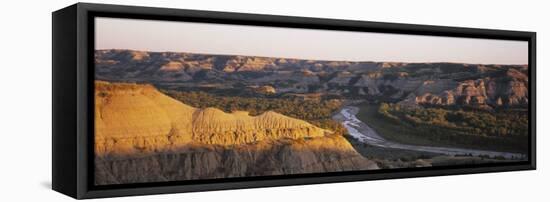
[
  {"x": 265, "y": 89},
  {"x": 142, "y": 135},
  {"x": 510, "y": 90},
  {"x": 474, "y": 85}
]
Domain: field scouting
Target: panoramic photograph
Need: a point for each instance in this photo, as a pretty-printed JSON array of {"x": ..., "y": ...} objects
[{"x": 177, "y": 101}]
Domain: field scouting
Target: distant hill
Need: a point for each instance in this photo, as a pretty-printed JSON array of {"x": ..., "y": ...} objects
[
  {"x": 474, "y": 85},
  {"x": 142, "y": 135}
]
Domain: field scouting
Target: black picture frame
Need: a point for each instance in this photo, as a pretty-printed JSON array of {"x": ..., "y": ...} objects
[{"x": 73, "y": 108}]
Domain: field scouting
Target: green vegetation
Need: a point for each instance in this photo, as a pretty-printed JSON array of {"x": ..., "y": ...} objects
[
  {"x": 499, "y": 131},
  {"x": 484, "y": 123},
  {"x": 316, "y": 112}
]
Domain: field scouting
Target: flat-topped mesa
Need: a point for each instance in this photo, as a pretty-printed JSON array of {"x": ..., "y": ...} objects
[{"x": 138, "y": 118}]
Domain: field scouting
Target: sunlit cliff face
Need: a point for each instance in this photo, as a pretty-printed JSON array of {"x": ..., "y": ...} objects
[{"x": 141, "y": 134}]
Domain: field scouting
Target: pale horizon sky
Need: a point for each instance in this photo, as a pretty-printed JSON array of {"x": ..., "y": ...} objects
[{"x": 208, "y": 38}]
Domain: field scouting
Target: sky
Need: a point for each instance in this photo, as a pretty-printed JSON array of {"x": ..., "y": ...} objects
[{"x": 208, "y": 38}]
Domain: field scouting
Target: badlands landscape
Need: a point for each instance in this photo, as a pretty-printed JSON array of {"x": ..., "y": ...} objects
[
  {"x": 143, "y": 135},
  {"x": 169, "y": 116}
]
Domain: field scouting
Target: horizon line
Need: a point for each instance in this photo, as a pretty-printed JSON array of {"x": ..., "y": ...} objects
[{"x": 292, "y": 58}]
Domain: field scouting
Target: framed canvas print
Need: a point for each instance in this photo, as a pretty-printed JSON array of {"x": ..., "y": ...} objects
[{"x": 154, "y": 100}]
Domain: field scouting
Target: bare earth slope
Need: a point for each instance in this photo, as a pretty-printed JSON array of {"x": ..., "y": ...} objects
[
  {"x": 415, "y": 84},
  {"x": 143, "y": 135}
]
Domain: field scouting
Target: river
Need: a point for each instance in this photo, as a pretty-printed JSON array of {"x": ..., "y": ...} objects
[{"x": 364, "y": 133}]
